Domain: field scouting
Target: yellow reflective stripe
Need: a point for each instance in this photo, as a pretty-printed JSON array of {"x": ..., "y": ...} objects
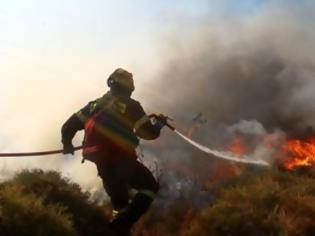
[
  {"x": 93, "y": 106},
  {"x": 80, "y": 115},
  {"x": 141, "y": 121},
  {"x": 148, "y": 193},
  {"x": 115, "y": 213}
]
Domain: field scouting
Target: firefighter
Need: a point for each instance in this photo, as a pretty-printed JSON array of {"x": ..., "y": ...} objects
[{"x": 113, "y": 125}]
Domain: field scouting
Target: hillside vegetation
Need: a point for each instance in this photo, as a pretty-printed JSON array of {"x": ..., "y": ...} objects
[
  {"x": 269, "y": 203},
  {"x": 44, "y": 203},
  {"x": 256, "y": 204}
]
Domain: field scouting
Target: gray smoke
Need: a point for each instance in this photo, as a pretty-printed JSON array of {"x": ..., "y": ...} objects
[
  {"x": 258, "y": 68},
  {"x": 252, "y": 76}
]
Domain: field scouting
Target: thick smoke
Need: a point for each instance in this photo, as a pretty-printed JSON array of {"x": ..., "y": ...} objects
[
  {"x": 252, "y": 76},
  {"x": 258, "y": 68}
]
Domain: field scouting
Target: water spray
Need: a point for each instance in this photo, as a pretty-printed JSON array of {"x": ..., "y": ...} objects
[
  {"x": 222, "y": 154},
  {"x": 219, "y": 154}
]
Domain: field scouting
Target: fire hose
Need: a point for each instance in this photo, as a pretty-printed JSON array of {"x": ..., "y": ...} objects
[
  {"x": 26, "y": 154},
  {"x": 219, "y": 154}
]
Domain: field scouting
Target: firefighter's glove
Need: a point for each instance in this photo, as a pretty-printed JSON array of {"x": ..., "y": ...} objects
[
  {"x": 161, "y": 121},
  {"x": 68, "y": 148}
]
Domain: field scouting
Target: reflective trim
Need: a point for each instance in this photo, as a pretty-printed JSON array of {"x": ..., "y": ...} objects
[
  {"x": 80, "y": 115},
  {"x": 93, "y": 106},
  {"x": 148, "y": 193},
  {"x": 141, "y": 121},
  {"x": 115, "y": 213}
]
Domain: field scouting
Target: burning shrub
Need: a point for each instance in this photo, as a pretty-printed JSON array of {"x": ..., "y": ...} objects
[{"x": 269, "y": 203}]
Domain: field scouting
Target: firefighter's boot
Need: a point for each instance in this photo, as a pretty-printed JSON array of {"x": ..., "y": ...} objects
[{"x": 123, "y": 222}]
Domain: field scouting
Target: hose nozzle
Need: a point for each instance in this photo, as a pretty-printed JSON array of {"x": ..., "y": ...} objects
[{"x": 165, "y": 118}]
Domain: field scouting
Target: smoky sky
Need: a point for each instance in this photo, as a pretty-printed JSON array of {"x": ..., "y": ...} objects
[
  {"x": 255, "y": 68},
  {"x": 253, "y": 74}
]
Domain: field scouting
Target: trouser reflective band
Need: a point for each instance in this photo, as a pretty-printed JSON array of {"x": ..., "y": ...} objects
[
  {"x": 80, "y": 115},
  {"x": 147, "y": 193},
  {"x": 116, "y": 212}
]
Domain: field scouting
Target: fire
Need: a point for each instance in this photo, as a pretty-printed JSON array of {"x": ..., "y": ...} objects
[
  {"x": 238, "y": 146},
  {"x": 292, "y": 153},
  {"x": 298, "y": 153}
]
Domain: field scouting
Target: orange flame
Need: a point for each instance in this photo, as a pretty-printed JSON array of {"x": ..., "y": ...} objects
[
  {"x": 298, "y": 153},
  {"x": 238, "y": 146},
  {"x": 292, "y": 153}
]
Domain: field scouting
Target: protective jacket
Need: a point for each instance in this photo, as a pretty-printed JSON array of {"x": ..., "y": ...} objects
[{"x": 112, "y": 126}]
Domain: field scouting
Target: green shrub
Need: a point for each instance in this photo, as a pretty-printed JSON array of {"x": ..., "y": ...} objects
[{"x": 43, "y": 203}]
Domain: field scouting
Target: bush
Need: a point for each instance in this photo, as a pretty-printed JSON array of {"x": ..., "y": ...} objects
[
  {"x": 26, "y": 214},
  {"x": 43, "y": 203},
  {"x": 269, "y": 203},
  {"x": 265, "y": 203}
]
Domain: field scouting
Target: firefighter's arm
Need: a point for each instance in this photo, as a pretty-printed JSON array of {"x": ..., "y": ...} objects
[
  {"x": 74, "y": 124},
  {"x": 68, "y": 130},
  {"x": 147, "y": 127}
]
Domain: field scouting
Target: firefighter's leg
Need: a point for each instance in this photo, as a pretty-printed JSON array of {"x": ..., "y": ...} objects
[
  {"x": 146, "y": 185},
  {"x": 115, "y": 186},
  {"x": 143, "y": 181}
]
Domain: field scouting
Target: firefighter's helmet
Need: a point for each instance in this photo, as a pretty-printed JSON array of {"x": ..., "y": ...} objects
[{"x": 121, "y": 79}]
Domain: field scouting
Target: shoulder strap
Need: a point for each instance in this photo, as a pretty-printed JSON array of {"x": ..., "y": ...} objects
[{"x": 105, "y": 103}]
